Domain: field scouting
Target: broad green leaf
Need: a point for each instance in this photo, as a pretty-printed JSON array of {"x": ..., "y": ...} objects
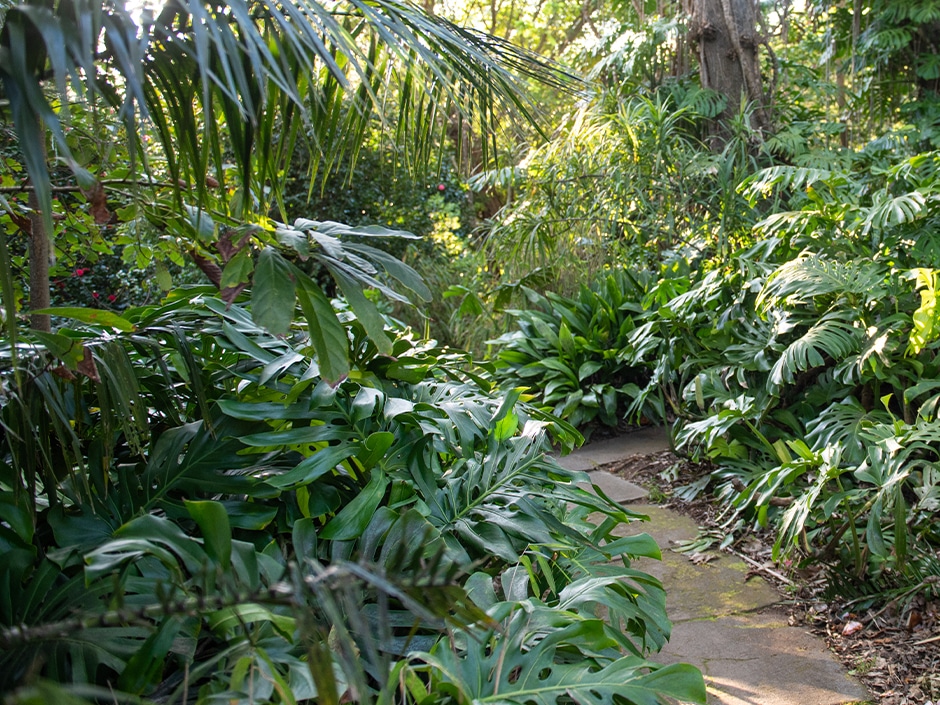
[
  {"x": 238, "y": 269},
  {"x": 506, "y": 427},
  {"x": 263, "y": 410},
  {"x": 145, "y": 666},
  {"x": 396, "y": 268},
  {"x": 146, "y": 535},
  {"x": 366, "y": 312},
  {"x": 273, "y": 292},
  {"x": 94, "y": 316},
  {"x": 317, "y": 465},
  {"x": 201, "y": 223},
  {"x": 68, "y": 350},
  {"x": 253, "y": 516},
  {"x": 301, "y": 435},
  {"x": 367, "y": 403},
  {"x": 212, "y": 519},
  {"x": 17, "y": 518},
  {"x": 375, "y": 447},
  {"x": 588, "y": 368},
  {"x": 236, "y": 617},
  {"x": 327, "y": 334},
  {"x": 353, "y": 519},
  {"x": 304, "y": 539},
  {"x": 544, "y": 671}
]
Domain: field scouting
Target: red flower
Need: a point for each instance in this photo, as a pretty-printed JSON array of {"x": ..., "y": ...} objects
[
  {"x": 94, "y": 294},
  {"x": 112, "y": 298},
  {"x": 79, "y": 272}
]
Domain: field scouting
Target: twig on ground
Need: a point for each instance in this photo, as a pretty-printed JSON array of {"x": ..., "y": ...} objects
[{"x": 760, "y": 566}]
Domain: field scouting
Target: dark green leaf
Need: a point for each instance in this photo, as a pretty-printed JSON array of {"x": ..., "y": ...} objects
[{"x": 273, "y": 293}]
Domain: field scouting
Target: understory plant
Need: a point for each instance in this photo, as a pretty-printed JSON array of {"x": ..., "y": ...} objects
[
  {"x": 192, "y": 513},
  {"x": 805, "y": 367},
  {"x": 583, "y": 357}
]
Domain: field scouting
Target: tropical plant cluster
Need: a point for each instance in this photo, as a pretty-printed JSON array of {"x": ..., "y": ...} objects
[
  {"x": 195, "y": 514},
  {"x": 786, "y": 329},
  {"x": 271, "y": 490},
  {"x": 265, "y": 489}
]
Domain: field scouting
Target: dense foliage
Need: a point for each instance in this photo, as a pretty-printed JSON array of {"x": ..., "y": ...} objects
[
  {"x": 778, "y": 301},
  {"x": 269, "y": 490},
  {"x": 194, "y": 513}
]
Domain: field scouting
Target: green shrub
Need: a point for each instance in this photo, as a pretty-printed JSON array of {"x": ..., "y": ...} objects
[{"x": 192, "y": 513}]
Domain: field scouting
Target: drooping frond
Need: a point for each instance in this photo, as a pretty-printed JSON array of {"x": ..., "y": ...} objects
[
  {"x": 250, "y": 77},
  {"x": 787, "y": 177}
]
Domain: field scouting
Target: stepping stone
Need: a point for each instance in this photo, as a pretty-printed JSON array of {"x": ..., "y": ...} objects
[
  {"x": 758, "y": 658},
  {"x": 618, "y": 489},
  {"x": 733, "y": 629},
  {"x": 651, "y": 439},
  {"x": 728, "y": 626},
  {"x": 715, "y": 589}
]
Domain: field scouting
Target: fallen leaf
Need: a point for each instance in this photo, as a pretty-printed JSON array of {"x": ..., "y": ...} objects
[
  {"x": 851, "y": 628},
  {"x": 701, "y": 558},
  {"x": 98, "y": 204}
]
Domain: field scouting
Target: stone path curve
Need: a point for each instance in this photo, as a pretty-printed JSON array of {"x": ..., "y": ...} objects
[{"x": 733, "y": 629}]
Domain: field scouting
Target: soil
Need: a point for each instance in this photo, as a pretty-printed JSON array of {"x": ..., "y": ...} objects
[{"x": 893, "y": 647}]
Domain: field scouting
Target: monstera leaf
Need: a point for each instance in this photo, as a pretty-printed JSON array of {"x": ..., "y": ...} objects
[{"x": 542, "y": 655}]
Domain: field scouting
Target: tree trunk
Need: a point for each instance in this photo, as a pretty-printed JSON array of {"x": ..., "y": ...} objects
[
  {"x": 728, "y": 41},
  {"x": 38, "y": 268},
  {"x": 39, "y": 252}
]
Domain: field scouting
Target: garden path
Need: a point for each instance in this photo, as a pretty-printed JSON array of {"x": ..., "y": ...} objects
[{"x": 730, "y": 626}]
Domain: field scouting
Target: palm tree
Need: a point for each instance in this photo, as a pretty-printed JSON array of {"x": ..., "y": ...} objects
[{"x": 239, "y": 83}]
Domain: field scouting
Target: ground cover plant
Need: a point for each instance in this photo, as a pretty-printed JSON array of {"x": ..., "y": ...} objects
[
  {"x": 780, "y": 312},
  {"x": 805, "y": 368}
]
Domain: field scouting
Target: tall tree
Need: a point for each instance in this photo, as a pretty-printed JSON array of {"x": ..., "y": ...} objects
[{"x": 729, "y": 61}]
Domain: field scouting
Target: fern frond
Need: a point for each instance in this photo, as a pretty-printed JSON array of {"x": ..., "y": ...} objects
[{"x": 705, "y": 102}]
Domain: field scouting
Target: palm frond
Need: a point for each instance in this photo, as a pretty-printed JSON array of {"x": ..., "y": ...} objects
[{"x": 256, "y": 71}]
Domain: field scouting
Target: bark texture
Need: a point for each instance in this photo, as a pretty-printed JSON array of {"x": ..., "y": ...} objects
[
  {"x": 728, "y": 52},
  {"x": 39, "y": 251}
]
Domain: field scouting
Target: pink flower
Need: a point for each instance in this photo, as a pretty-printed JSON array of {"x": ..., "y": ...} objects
[{"x": 441, "y": 187}]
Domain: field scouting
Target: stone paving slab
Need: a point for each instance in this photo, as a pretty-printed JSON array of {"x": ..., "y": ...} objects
[
  {"x": 616, "y": 488},
  {"x": 717, "y": 588},
  {"x": 650, "y": 439},
  {"x": 730, "y": 627},
  {"x": 733, "y": 629},
  {"x": 757, "y": 659}
]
